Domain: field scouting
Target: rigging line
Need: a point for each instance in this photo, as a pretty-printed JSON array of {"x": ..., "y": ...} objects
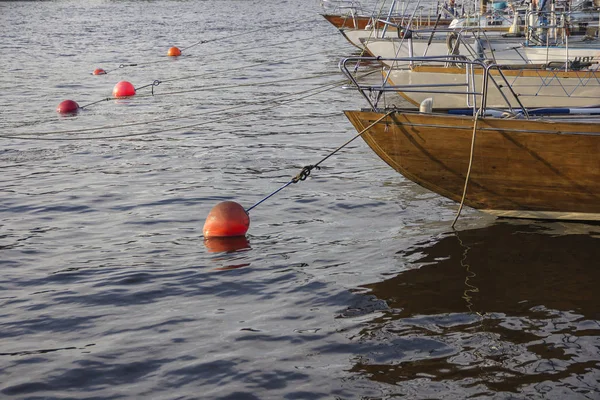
[
  {"x": 248, "y": 32},
  {"x": 174, "y": 118},
  {"x": 226, "y": 117},
  {"x": 305, "y": 172}
]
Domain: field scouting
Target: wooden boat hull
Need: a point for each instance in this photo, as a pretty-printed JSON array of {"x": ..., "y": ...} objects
[
  {"x": 361, "y": 29},
  {"x": 363, "y": 21},
  {"x": 520, "y": 168}
]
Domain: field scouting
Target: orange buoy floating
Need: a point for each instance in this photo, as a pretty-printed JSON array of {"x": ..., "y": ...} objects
[
  {"x": 67, "y": 107},
  {"x": 174, "y": 52},
  {"x": 99, "y": 71},
  {"x": 226, "y": 219},
  {"x": 123, "y": 89}
]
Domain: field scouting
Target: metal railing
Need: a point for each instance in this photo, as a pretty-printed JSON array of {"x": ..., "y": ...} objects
[{"x": 475, "y": 97}]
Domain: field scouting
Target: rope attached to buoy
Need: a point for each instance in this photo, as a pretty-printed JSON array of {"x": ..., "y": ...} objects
[
  {"x": 276, "y": 102},
  {"x": 155, "y": 83},
  {"x": 305, "y": 172}
]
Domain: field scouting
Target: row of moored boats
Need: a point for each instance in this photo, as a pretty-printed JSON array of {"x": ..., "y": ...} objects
[{"x": 500, "y": 100}]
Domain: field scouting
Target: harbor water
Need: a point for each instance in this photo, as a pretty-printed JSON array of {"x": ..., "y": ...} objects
[{"x": 350, "y": 284}]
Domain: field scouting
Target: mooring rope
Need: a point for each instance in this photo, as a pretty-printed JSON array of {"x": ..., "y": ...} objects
[
  {"x": 305, "y": 172},
  {"x": 464, "y": 194},
  {"x": 248, "y": 32},
  {"x": 239, "y": 85},
  {"x": 286, "y": 100},
  {"x": 223, "y": 71},
  {"x": 236, "y": 50},
  {"x": 206, "y": 74},
  {"x": 279, "y": 100}
]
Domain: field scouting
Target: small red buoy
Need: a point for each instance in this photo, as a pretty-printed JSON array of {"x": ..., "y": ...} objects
[
  {"x": 123, "y": 89},
  {"x": 174, "y": 52},
  {"x": 99, "y": 71},
  {"x": 227, "y": 218},
  {"x": 67, "y": 107}
]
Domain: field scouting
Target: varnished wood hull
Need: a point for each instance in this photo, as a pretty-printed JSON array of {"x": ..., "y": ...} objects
[
  {"x": 521, "y": 168},
  {"x": 362, "y": 21}
]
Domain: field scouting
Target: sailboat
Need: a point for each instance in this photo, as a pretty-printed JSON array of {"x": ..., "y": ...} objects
[
  {"x": 521, "y": 35},
  {"x": 509, "y": 85},
  {"x": 521, "y": 162},
  {"x": 359, "y": 27}
]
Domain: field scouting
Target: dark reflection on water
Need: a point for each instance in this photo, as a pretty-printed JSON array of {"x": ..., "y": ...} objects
[
  {"x": 226, "y": 244},
  {"x": 507, "y": 311}
]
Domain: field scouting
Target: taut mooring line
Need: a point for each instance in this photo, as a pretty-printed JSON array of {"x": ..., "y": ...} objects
[
  {"x": 244, "y": 33},
  {"x": 305, "y": 172}
]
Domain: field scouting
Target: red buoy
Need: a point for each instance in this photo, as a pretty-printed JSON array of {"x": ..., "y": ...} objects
[
  {"x": 67, "y": 107},
  {"x": 123, "y": 89},
  {"x": 227, "y": 218},
  {"x": 99, "y": 71},
  {"x": 174, "y": 52}
]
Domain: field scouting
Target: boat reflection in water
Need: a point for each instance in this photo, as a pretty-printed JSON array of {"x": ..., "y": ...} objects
[{"x": 507, "y": 311}]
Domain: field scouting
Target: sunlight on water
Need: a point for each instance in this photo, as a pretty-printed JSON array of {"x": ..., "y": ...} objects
[{"x": 349, "y": 284}]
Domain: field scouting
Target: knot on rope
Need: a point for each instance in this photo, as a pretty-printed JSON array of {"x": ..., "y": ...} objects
[
  {"x": 155, "y": 83},
  {"x": 304, "y": 173},
  {"x": 127, "y": 65}
]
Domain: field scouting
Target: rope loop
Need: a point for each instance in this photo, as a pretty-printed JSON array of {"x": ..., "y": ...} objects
[
  {"x": 305, "y": 173},
  {"x": 156, "y": 82}
]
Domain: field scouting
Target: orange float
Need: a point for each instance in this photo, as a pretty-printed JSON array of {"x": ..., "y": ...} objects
[
  {"x": 174, "y": 52},
  {"x": 99, "y": 71},
  {"x": 226, "y": 219}
]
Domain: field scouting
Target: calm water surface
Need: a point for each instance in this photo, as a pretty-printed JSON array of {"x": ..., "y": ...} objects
[{"x": 350, "y": 285}]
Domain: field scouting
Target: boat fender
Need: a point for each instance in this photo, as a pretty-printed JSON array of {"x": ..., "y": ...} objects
[
  {"x": 426, "y": 105},
  {"x": 404, "y": 33}
]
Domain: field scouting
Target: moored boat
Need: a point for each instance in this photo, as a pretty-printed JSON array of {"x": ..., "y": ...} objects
[
  {"x": 533, "y": 85},
  {"x": 511, "y": 162},
  {"x": 520, "y": 168}
]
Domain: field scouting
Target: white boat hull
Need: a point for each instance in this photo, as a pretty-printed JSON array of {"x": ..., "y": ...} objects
[
  {"x": 535, "y": 89},
  {"x": 504, "y": 50}
]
